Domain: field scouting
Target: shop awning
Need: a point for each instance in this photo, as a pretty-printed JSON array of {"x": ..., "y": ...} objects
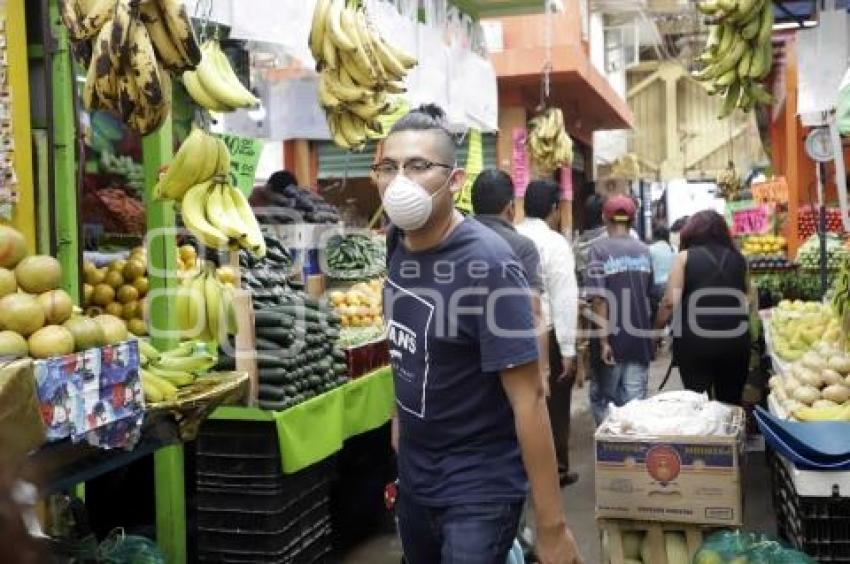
[{"x": 496, "y": 8}]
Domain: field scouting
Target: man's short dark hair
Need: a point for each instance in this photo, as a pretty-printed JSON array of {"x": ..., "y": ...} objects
[
  {"x": 430, "y": 117},
  {"x": 540, "y": 197},
  {"x": 492, "y": 191},
  {"x": 593, "y": 210}
]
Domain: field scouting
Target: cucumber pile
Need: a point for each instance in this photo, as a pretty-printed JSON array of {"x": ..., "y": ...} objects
[
  {"x": 266, "y": 278},
  {"x": 297, "y": 355},
  {"x": 355, "y": 257}
]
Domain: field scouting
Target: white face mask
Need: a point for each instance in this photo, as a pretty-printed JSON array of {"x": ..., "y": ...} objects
[{"x": 408, "y": 204}]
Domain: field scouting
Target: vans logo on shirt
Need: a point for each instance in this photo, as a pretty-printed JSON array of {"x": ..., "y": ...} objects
[{"x": 402, "y": 337}]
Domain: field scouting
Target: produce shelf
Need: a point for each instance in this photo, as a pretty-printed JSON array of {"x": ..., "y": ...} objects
[{"x": 62, "y": 465}]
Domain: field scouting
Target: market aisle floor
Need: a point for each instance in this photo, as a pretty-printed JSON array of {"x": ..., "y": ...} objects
[{"x": 579, "y": 498}]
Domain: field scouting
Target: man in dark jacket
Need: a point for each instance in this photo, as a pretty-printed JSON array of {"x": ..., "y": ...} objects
[{"x": 493, "y": 205}]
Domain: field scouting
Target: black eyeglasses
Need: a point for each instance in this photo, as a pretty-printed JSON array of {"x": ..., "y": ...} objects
[{"x": 413, "y": 167}]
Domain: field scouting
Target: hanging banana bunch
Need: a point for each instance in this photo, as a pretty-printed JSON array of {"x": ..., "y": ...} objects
[
  {"x": 357, "y": 70},
  {"x": 738, "y": 53},
  {"x": 213, "y": 210},
  {"x": 130, "y": 48},
  {"x": 214, "y": 85},
  {"x": 548, "y": 143}
]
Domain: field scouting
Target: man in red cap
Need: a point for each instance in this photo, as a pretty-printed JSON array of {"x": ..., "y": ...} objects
[{"x": 618, "y": 282}]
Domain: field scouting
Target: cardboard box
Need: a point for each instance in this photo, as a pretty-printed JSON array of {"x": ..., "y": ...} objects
[{"x": 687, "y": 479}]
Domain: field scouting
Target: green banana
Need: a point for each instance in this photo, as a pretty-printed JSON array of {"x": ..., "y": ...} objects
[
  {"x": 727, "y": 78},
  {"x": 766, "y": 28},
  {"x": 744, "y": 64},
  {"x": 730, "y": 100},
  {"x": 732, "y": 57}
]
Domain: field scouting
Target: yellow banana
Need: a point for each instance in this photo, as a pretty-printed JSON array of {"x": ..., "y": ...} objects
[
  {"x": 180, "y": 31},
  {"x": 389, "y": 61},
  {"x": 229, "y": 310},
  {"x": 406, "y": 60},
  {"x": 226, "y": 71},
  {"x": 326, "y": 98},
  {"x": 219, "y": 216},
  {"x": 336, "y": 132},
  {"x": 337, "y": 30},
  {"x": 144, "y": 66},
  {"x": 356, "y": 68},
  {"x": 118, "y": 38},
  {"x": 86, "y": 25},
  {"x": 334, "y": 85},
  {"x": 149, "y": 387},
  {"x": 181, "y": 306},
  {"x": 240, "y": 205},
  {"x": 176, "y": 378},
  {"x": 318, "y": 27},
  {"x": 166, "y": 49},
  {"x": 353, "y": 129},
  {"x": 212, "y": 293},
  {"x": 362, "y": 47},
  {"x": 218, "y": 80},
  {"x": 329, "y": 54},
  {"x": 222, "y": 167},
  {"x": 195, "y": 363},
  {"x": 766, "y": 28},
  {"x": 185, "y": 168},
  {"x": 193, "y": 208},
  {"x": 200, "y": 95},
  {"x": 197, "y": 312}
]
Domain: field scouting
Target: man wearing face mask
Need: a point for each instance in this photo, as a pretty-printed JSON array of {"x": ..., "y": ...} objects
[
  {"x": 560, "y": 309},
  {"x": 471, "y": 429}
]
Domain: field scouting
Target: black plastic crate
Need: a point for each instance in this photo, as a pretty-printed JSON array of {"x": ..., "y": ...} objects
[
  {"x": 238, "y": 464},
  {"x": 282, "y": 546},
  {"x": 261, "y": 483},
  {"x": 267, "y": 518},
  {"x": 818, "y": 526},
  {"x": 245, "y": 438},
  {"x": 316, "y": 549}
]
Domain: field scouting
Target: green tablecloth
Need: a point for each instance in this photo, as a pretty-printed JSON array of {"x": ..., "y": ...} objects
[{"x": 315, "y": 429}]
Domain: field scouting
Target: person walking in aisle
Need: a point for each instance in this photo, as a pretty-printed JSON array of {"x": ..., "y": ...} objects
[
  {"x": 708, "y": 290},
  {"x": 619, "y": 281},
  {"x": 493, "y": 205},
  {"x": 662, "y": 254},
  {"x": 560, "y": 310},
  {"x": 471, "y": 426}
]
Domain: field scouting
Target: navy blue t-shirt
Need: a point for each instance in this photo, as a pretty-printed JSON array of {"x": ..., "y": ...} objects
[{"x": 456, "y": 316}]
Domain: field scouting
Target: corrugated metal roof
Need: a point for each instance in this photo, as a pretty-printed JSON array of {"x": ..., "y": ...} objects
[{"x": 336, "y": 163}]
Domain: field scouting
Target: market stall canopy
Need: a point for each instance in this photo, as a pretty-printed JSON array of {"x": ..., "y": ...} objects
[
  {"x": 497, "y": 8},
  {"x": 587, "y": 98}
]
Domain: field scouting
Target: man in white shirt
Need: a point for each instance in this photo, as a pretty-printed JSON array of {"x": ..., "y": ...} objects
[{"x": 560, "y": 309}]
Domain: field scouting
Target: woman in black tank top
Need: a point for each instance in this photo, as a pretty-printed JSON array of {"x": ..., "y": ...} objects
[{"x": 707, "y": 290}]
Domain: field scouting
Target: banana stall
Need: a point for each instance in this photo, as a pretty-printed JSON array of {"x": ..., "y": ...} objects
[{"x": 209, "y": 354}]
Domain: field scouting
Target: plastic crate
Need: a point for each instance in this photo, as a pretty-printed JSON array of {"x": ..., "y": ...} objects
[
  {"x": 818, "y": 526},
  {"x": 260, "y": 519},
  {"x": 238, "y": 464},
  {"x": 277, "y": 546},
  {"x": 253, "y": 439},
  {"x": 316, "y": 550}
]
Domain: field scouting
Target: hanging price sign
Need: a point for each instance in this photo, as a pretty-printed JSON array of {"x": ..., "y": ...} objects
[
  {"x": 244, "y": 157},
  {"x": 519, "y": 162},
  {"x": 748, "y": 218},
  {"x": 773, "y": 191}
]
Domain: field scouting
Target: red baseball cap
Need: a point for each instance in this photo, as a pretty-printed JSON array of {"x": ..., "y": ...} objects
[{"x": 619, "y": 208}]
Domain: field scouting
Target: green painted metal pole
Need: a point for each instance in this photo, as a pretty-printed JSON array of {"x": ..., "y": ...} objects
[
  {"x": 162, "y": 271},
  {"x": 64, "y": 159}
]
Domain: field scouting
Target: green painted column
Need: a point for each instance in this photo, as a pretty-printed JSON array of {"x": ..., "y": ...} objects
[
  {"x": 162, "y": 273},
  {"x": 64, "y": 163}
]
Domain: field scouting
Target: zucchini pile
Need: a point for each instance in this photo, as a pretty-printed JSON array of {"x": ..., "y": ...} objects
[
  {"x": 355, "y": 257},
  {"x": 266, "y": 278},
  {"x": 297, "y": 355},
  {"x": 293, "y": 205}
]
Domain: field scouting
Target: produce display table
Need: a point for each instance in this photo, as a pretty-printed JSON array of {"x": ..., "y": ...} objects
[{"x": 316, "y": 429}]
